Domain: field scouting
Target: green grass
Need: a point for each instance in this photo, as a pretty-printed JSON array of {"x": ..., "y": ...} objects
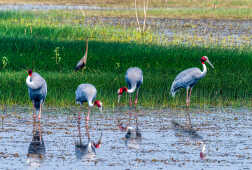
[{"x": 27, "y": 41}]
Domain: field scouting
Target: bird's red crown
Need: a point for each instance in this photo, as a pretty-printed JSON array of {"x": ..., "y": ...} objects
[
  {"x": 122, "y": 89},
  {"x": 203, "y": 59},
  {"x": 98, "y": 103},
  {"x": 30, "y": 72}
]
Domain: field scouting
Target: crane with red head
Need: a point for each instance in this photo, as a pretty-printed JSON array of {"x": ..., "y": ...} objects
[
  {"x": 134, "y": 79},
  {"x": 188, "y": 78},
  {"x": 37, "y": 89},
  {"x": 87, "y": 93}
]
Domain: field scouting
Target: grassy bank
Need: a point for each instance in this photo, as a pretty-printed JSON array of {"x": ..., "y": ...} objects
[{"x": 28, "y": 41}]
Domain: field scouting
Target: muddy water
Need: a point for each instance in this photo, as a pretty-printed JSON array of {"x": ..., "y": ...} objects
[{"x": 225, "y": 132}]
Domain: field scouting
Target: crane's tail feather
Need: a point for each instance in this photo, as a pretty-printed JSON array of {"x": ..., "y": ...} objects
[
  {"x": 174, "y": 88},
  {"x": 37, "y": 105},
  {"x": 173, "y": 91}
]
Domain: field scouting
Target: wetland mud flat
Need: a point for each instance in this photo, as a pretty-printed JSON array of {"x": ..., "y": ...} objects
[{"x": 226, "y": 133}]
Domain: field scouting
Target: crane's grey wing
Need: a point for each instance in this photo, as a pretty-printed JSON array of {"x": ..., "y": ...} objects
[
  {"x": 185, "y": 79},
  {"x": 37, "y": 80},
  {"x": 85, "y": 92},
  {"x": 38, "y": 89},
  {"x": 44, "y": 90},
  {"x": 134, "y": 76}
]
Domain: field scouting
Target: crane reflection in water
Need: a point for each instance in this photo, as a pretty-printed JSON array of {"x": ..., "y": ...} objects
[
  {"x": 133, "y": 136},
  {"x": 192, "y": 134},
  {"x": 87, "y": 149},
  {"x": 36, "y": 149}
]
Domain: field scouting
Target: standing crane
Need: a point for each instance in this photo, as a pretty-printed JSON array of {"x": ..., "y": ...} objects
[
  {"x": 83, "y": 61},
  {"x": 87, "y": 93},
  {"x": 37, "y": 89},
  {"x": 134, "y": 79},
  {"x": 188, "y": 78}
]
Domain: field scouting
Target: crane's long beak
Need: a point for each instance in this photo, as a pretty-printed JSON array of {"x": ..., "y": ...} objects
[
  {"x": 119, "y": 96},
  {"x": 210, "y": 64}
]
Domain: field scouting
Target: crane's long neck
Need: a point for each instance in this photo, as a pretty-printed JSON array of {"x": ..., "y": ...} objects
[
  {"x": 203, "y": 73},
  {"x": 90, "y": 104},
  {"x": 133, "y": 88},
  {"x": 30, "y": 83}
]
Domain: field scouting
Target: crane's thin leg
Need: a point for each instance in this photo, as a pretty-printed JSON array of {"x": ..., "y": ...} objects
[
  {"x": 34, "y": 111},
  {"x": 187, "y": 107},
  {"x": 40, "y": 110},
  {"x": 136, "y": 100},
  {"x": 187, "y": 100},
  {"x": 130, "y": 100},
  {"x": 190, "y": 95},
  {"x": 87, "y": 118}
]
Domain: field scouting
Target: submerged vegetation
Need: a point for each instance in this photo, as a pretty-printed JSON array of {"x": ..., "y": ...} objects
[{"x": 51, "y": 43}]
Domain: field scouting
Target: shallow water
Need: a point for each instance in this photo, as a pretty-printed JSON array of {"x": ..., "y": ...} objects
[{"x": 225, "y": 132}]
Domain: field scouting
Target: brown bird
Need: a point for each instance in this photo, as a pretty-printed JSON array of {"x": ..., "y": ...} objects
[{"x": 83, "y": 61}]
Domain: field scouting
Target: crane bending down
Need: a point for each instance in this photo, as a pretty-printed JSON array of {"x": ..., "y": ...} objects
[
  {"x": 188, "y": 78},
  {"x": 83, "y": 61},
  {"x": 134, "y": 79},
  {"x": 37, "y": 89},
  {"x": 87, "y": 93}
]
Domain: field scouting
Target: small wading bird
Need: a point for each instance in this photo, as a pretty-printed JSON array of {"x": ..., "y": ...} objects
[
  {"x": 37, "y": 89},
  {"x": 188, "y": 78},
  {"x": 87, "y": 93},
  {"x": 134, "y": 79},
  {"x": 83, "y": 61}
]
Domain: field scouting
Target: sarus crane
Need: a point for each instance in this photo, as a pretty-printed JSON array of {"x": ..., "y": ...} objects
[
  {"x": 134, "y": 79},
  {"x": 188, "y": 78},
  {"x": 37, "y": 89},
  {"x": 87, "y": 93}
]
